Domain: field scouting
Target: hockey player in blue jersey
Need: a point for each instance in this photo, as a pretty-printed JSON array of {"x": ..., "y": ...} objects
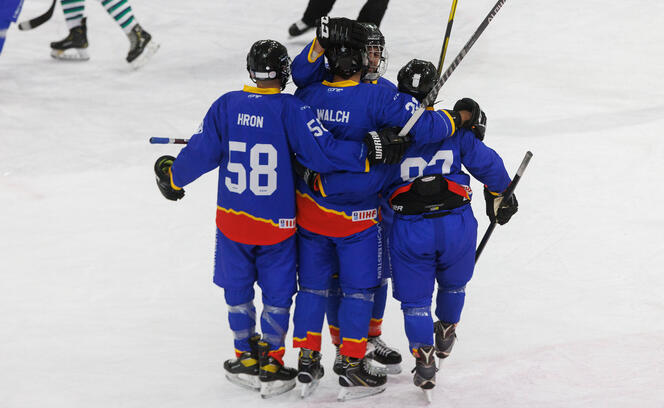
[
  {"x": 334, "y": 234},
  {"x": 251, "y": 136},
  {"x": 434, "y": 233},
  {"x": 9, "y": 11},
  {"x": 308, "y": 68}
]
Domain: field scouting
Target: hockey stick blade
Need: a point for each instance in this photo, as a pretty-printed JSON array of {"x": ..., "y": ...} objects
[
  {"x": 39, "y": 20},
  {"x": 508, "y": 194},
  {"x": 431, "y": 96}
]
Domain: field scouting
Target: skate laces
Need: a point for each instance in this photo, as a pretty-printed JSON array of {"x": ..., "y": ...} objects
[{"x": 380, "y": 347}]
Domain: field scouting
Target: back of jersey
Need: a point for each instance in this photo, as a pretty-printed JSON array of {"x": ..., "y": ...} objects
[
  {"x": 344, "y": 107},
  {"x": 256, "y": 201}
]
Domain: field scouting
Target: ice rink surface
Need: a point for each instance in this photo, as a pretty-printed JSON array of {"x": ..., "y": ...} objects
[{"x": 106, "y": 297}]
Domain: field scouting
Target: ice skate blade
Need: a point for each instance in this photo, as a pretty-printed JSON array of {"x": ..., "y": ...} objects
[
  {"x": 308, "y": 388},
  {"x": 250, "y": 382},
  {"x": 392, "y": 369},
  {"x": 145, "y": 56},
  {"x": 277, "y": 387},
  {"x": 386, "y": 369},
  {"x": 351, "y": 393},
  {"x": 71, "y": 54},
  {"x": 428, "y": 394},
  {"x": 440, "y": 362}
]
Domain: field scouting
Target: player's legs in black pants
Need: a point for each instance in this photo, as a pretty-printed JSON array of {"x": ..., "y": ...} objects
[
  {"x": 316, "y": 9},
  {"x": 372, "y": 12}
]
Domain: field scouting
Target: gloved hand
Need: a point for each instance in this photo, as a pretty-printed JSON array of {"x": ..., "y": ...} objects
[
  {"x": 309, "y": 176},
  {"x": 386, "y": 146},
  {"x": 162, "y": 169},
  {"x": 477, "y": 122},
  {"x": 498, "y": 209},
  {"x": 331, "y": 32}
]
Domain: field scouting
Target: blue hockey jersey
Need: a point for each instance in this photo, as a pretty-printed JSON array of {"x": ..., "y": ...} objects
[
  {"x": 445, "y": 157},
  {"x": 9, "y": 10},
  {"x": 350, "y": 110},
  {"x": 308, "y": 69},
  {"x": 251, "y": 136}
]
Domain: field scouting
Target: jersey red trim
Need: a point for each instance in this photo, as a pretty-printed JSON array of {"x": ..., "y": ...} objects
[
  {"x": 330, "y": 223},
  {"x": 247, "y": 229}
]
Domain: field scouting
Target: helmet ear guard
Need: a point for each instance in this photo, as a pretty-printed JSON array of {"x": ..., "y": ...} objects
[{"x": 267, "y": 60}]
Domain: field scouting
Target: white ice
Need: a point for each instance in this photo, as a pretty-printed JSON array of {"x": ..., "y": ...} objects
[{"x": 106, "y": 297}]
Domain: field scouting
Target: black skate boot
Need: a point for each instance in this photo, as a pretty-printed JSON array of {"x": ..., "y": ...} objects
[
  {"x": 243, "y": 370},
  {"x": 381, "y": 353},
  {"x": 74, "y": 46},
  {"x": 445, "y": 339},
  {"x": 275, "y": 377},
  {"x": 425, "y": 370},
  {"x": 360, "y": 379},
  {"x": 298, "y": 28},
  {"x": 309, "y": 371},
  {"x": 141, "y": 47},
  {"x": 338, "y": 366}
]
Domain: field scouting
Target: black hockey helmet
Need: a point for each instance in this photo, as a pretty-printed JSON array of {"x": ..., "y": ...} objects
[
  {"x": 268, "y": 59},
  {"x": 376, "y": 53},
  {"x": 346, "y": 61},
  {"x": 417, "y": 78}
]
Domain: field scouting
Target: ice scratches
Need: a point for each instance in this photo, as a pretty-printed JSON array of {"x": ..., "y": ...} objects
[{"x": 615, "y": 371}]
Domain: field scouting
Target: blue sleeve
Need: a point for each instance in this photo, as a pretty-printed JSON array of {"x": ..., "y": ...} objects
[
  {"x": 204, "y": 150},
  {"x": 483, "y": 163},
  {"x": 316, "y": 148},
  {"x": 307, "y": 69},
  {"x": 387, "y": 84},
  {"x": 362, "y": 184},
  {"x": 432, "y": 127}
]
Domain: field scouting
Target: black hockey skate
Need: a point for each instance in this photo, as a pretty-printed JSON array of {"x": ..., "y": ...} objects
[
  {"x": 383, "y": 354},
  {"x": 275, "y": 378},
  {"x": 360, "y": 379},
  {"x": 298, "y": 28},
  {"x": 309, "y": 371},
  {"x": 141, "y": 47},
  {"x": 445, "y": 339},
  {"x": 338, "y": 366},
  {"x": 74, "y": 46},
  {"x": 425, "y": 370},
  {"x": 243, "y": 370}
]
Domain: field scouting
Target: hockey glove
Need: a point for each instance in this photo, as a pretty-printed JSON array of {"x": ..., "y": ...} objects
[
  {"x": 477, "y": 122},
  {"x": 162, "y": 169},
  {"x": 331, "y": 32},
  {"x": 309, "y": 176},
  {"x": 498, "y": 209},
  {"x": 386, "y": 146}
]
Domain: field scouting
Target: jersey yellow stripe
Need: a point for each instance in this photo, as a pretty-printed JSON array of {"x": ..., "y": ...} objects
[
  {"x": 264, "y": 91},
  {"x": 451, "y": 120},
  {"x": 311, "y": 51},
  {"x": 340, "y": 84},
  {"x": 231, "y": 211},
  {"x": 307, "y": 196}
]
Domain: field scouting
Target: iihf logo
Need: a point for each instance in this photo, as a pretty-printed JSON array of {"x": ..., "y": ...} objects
[{"x": 286, "y": 223}]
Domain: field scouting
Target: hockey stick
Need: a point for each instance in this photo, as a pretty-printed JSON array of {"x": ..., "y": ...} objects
[
  {"x": 506, "y": 196},
  {"x": 431, "y": 96},
  {"x": 448, "y": 32},
  {"x": 165, "y": 140},
  {"x": 39, "y": 20}
]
